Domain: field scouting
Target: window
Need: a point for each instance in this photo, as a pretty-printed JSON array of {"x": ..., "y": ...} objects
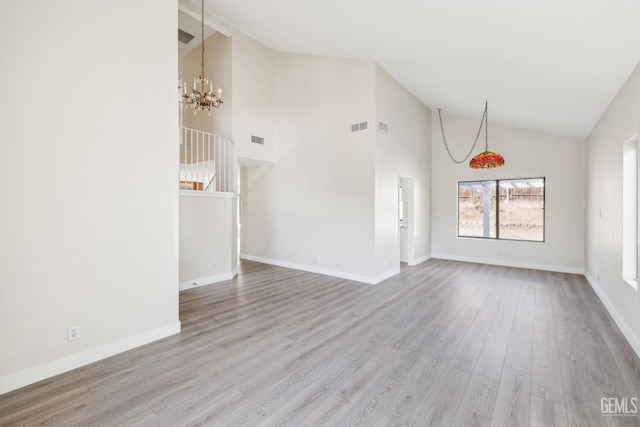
[
  {"x": 510, "y": 209},
  {"x": 630, "y": 212},
  {"x": 477, "y": 209}
]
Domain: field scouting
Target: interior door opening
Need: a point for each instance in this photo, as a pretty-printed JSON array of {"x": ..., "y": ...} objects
[{"x": 405, "y": 219}]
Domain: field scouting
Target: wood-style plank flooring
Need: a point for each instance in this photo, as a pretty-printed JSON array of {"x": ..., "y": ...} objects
[{"x": 444, "y": 343}]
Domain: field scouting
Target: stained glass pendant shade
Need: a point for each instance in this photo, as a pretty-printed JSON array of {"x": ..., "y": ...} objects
[{"x": 485, "y": 160}]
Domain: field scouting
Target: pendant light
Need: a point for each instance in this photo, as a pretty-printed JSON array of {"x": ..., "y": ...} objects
[
  {"x": 485, "y": 160},
  {"x": 202, "y": 96}
]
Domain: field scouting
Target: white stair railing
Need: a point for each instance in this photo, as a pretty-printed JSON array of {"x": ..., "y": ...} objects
[{"x": 208, "y": 162}]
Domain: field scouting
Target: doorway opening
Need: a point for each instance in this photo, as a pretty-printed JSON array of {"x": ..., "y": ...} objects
[{"x": 405, "y": 220}]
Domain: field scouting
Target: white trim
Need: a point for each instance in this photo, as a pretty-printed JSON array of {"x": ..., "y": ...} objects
[
  {"x": 372, "y": 280},
  {"x": 545, "y": 267},
  {"x": 626, "y": 330},
  {"x": 420, "y": 260},
  {"x": 198, "y": 16},
  {"x": 631, "y": 282},
  {"x": 211, "y": 194},
  {"x": 385, "y": 275},
  {"x": 49, "y": 369},
  {"x": 189, "y": 284}
]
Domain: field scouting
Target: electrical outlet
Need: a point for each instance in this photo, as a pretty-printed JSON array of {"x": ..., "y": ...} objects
[
  {"x": 74, "y": 333},
  {"x": 318, "y": 258},
  {"x": 215, "y": 266}
]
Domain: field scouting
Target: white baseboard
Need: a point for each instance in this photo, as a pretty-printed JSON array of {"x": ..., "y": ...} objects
[
  {"x": 626, "y": 330},
  {"x": 384, "y": 276},
  {"x": 372, "y": 280},
  {"x": 420, "y": 260},
  {"x": 208, "y": 280},
  {"x": 545, "y": 267},
  {"x": 49, "y": 369}
]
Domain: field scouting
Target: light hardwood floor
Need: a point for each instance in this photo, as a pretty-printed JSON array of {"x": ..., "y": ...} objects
[{"x": 444, "y": 343}]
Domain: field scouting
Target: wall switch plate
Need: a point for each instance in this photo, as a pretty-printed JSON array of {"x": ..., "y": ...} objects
[{"x": 74, "y": 333}]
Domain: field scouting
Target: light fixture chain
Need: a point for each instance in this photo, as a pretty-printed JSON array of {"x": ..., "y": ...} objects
[
  {"x": 202, "y": 22},
  {"x": 486, "y": 125},
  {"x": 482, "y": 121}
]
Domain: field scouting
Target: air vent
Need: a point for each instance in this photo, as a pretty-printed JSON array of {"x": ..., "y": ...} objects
[
  {"x": 184, "y": 37},
  {"x": 383, "y": 127},
  {"x": 257, "y": 140},
  {"x": 357, "y": 127}
]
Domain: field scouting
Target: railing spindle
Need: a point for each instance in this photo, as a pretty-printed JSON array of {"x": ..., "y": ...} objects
[
  {"x": 213, "y": 166},
  {"x": 190, "y": 169},
  {"x": 220, "y": 165},
  {"x": 224, "y": 167},
  {"x": 216, "y": 161}
]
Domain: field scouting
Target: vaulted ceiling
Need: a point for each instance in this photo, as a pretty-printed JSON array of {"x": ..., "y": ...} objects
[
  {"x": 548, "y": 65},
  {"x": 192, "y": 27}
]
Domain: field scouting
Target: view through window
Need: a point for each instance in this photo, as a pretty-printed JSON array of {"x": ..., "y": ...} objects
[{"x": 511, "y": 209}]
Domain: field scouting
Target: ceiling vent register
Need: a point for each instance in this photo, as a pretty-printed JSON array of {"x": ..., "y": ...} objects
[
  {"x": 184, "y": 37},
  {"x": 357, "y": 127}
]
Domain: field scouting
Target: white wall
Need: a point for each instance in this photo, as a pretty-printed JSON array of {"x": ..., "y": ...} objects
[
  {"x": 253, "y": 92},
  {"x": 603, "y": 255},
  {"x": 405, "y": 151},
  {"x": 101, "y": 254},
  {"x": 527, "y": 154},
  {"x": 208, "y": 238},
  {"x": 315, "y": 206}
]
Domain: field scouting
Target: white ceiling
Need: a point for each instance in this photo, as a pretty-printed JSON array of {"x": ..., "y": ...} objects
[{"x": 548, "y": 65}]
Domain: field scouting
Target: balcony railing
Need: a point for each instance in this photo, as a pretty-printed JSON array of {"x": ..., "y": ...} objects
[{"x": 208, "y": 162}]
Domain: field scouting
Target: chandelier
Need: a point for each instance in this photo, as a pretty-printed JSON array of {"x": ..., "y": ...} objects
[
  {"x": 202, "y": 96},
  {"x": 485, "y": 160}
]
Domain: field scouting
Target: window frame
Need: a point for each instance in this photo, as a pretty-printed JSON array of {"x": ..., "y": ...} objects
[{"x": 497, "y": 197}]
